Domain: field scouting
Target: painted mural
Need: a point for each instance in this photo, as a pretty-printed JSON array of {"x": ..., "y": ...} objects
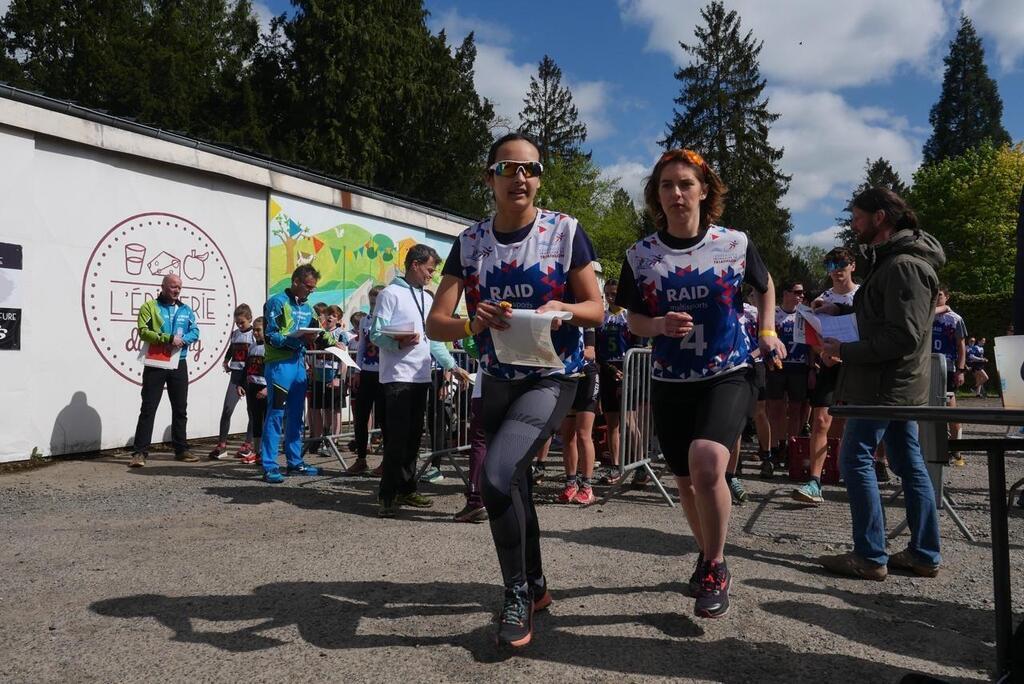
[{"x": 353, "y": 252}]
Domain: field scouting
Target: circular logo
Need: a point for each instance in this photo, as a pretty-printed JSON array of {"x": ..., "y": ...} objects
[{"x": 125, "y": 271}]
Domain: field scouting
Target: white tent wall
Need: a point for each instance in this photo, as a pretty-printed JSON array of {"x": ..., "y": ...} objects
[{"x": 70, "y": 206}]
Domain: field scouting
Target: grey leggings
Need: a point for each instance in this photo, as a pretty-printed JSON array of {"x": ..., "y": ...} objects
[
  {"x": 230, "y": 401},
  {"x": 519, "y": 416}
]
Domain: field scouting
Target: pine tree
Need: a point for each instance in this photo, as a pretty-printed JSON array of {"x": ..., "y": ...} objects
[
  {"x": 878, "y": 173},
  {"x": 723, "y": 116},
  {"x": 550, "y": 115},
  {"x": 969, "y": 110}
]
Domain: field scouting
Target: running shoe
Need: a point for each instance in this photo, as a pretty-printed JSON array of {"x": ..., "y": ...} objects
[
  {"x": 432, "y": 475},
  {"x": 585, "y": 497},
  {"x": 414, "y": 499},
  {"x": 250, "y": 459},
  {"x": 219, "y": 452},
  {"x": 881, "y": 472},
  {"x": 471, "y": 513},
  {"x": 325, "y": 449},
  {"x": 958, "y": 460},
  {"x": 187, "y": 457},
  {"x": 244, "y": 450},
  {"x": 808, "y": 492},
  {"x": 611, "y": 476},
  {"x": 537, "y": 472},
  {"x": 387, "y": 509},
  {"x": 358, "y": 467},
  {"x": 138, "y": 461},
  {"x": 640, "y": 478},
  {"x": 541, "y": 596},
  {"x": 739, "y": 494},
  {"x": 304, "y": 469},
  {"x": 767, "y": 469},
  {"x": 568, "y": 494},
  {"x": 515, "y": 623},
  {"x": 713, "y": 597},
  {"x": 378, "y": 471},
  {"x": 906, "y": 560},
  {"x": 273, "y": 476},
  {"x": 693, "y": 586}
]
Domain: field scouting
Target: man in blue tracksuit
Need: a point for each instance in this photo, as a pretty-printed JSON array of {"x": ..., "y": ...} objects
[
  {"x": 285, "y": 372},
  {"x": 165, "y": 321}
]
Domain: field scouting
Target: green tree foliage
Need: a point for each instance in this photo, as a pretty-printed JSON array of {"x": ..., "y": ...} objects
[
  {"x": 723, "y": 115},
  {"x": 550, "y": 116},
  {"x": 807, "y": 265},
  {"x": 619, "y": 227},
  {"x": 969, "y": 203},
  {"x": 969, "y": 110},
  {"x": 878, "y": 173}
]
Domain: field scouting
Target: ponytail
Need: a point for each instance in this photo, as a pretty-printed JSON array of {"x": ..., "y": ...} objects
[{"x": 897, "y": 212}]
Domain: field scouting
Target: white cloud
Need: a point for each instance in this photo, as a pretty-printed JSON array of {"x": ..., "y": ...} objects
[
  {"x": 826, "y": 239},
  {"x": 263, "y": 15},
  {"x": 810, "y": 43},
  {"x": 505, "y": 82},
  {"x": 827, "y": 141},
  {"x": 631, "y": 175},
  {"x": 1003, "y": 21}
]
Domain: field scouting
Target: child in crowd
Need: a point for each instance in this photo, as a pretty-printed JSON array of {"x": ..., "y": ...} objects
[
  {"x": 234, "y": 365},
  {"x": 255, "y": 390},
  {"x": 328, "y": 393},
  {"x": 320, "y": 311}
]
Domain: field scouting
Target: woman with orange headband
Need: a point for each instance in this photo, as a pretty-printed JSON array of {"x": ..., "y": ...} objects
[{"x": 681, "y": 287}]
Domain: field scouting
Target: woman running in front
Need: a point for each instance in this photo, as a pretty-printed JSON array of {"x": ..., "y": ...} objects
[
  {"x": 533, "y": 259},
  {"x": 681, "y": 287}
]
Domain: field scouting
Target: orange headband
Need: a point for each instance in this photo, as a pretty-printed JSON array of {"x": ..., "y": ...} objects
[{"x": 690, "y": 155}]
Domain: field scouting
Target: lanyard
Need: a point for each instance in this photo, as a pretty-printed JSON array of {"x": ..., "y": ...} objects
[{"x": 421, "y": 304}]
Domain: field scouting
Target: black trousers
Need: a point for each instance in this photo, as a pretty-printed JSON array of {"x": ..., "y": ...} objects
[
  {"x": 369, "y": 397},
  {"x": 153, "y": 382},
  {"x": 257, "y": 410},
  {"x": 405, "y": 406}
]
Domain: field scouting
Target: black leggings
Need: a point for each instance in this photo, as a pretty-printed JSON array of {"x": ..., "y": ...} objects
[
  {"x": 231, "y": 399},
  {"x": 369, "y": 396},
  {"x": 519, "y": 416}
]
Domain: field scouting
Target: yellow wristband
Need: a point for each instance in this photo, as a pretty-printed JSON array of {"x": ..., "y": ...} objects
[
  {"x": 767, "y": 333},
  {"x": 469, "y": 327}
]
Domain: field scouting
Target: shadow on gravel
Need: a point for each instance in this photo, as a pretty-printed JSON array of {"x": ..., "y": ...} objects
[
  {"x": 914, "y": 626},
  {"x": 630, "y": 539},
  {"x": 361, "y": 615}
]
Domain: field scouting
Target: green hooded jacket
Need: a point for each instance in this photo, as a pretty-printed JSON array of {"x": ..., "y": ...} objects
[{"x": 895, "y": 306}]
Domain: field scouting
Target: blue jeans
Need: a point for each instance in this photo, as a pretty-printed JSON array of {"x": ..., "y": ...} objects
[{"x": 856, "y": 461}]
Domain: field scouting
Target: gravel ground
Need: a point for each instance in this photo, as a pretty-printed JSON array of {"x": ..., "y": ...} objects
[{"x": 200, "y": 572}]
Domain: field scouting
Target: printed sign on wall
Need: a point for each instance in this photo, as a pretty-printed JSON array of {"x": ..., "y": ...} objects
[
  {"x": 10, "y": 296},
  {"x": 126, "y": 269}
]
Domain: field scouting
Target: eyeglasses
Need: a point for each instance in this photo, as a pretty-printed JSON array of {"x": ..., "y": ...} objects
[
  {"x": 510, "y": 169},
  {"x": 836, "y": 265}
]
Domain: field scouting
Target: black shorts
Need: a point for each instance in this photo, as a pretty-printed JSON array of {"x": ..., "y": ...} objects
[
  {"x": 327, "y": 397},
  {"x": 823, "y": 394},
  {"x": 714, "y": 409},
  {"x": 788, "y": 383},
  {"x": 587, "y": 387},
  {"x": 610, "y": 388},
  {"x": 951, "y": 382},
  {"x": 760, "y": 381}
]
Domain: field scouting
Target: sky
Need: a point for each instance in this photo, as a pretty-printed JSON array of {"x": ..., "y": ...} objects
[{"x": 851, "y": 80}]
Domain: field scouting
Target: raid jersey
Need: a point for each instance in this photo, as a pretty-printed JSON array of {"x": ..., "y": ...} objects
[
  {"x": 238, "y": 348},
  {"x": 947, "y": 330},
  {"x": 527, "y": 273},
  {"x": 829, "y": 296},
  {"x": 748, "y": 319},
  {"x": 367, "y": 353},
  {"x": 797, "y": 353},
  {"x": 613, "y": 338},
  {"x": 704, "y": 281},
  {"x": 254, "y": 364}
]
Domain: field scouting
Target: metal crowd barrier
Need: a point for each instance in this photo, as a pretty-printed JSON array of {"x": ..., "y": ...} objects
[
  {"x": 447, "y": 419},
  {"x": 637, "y": 442},
  {"x": 328, "y": 413}
]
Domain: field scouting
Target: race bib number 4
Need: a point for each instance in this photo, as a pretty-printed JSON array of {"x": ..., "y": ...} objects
[{"x": 695, "y": 341}]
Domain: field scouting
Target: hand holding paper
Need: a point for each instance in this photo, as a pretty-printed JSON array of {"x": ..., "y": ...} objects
[{"x": 526, "y": 341}]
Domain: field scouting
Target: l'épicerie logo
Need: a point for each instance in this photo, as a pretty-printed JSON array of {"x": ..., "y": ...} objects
[{"x": 125, "y": 270}]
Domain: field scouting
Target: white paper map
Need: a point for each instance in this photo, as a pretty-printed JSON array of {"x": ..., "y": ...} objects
[
  {"x": 842, "y": 328},
  {"x": 527, "y": 341},
  {"x": 299, "y": 332},
  {"x": 343, "y": 356}
]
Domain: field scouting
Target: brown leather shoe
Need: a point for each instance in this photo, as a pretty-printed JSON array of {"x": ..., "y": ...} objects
[
  {"x": 187, "y": 457},
  {"x": 852, "y": 565},
  {"x": 906, "y": 560},
  {"x": 138, "y": 461},
  {"x": 358, "y": 467}
]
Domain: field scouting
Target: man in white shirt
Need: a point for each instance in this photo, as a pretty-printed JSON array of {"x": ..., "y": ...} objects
[{"x": 405, "y": 376}]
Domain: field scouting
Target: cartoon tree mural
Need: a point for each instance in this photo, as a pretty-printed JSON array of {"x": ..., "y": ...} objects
[
  {"x": 289, "y": 232},
  {"x": 385, "y": 249}
]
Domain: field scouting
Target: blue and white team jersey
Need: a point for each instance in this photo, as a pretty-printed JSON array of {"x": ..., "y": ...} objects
[
  {"x": 785, "y": 325},
  {"x": 367, "y": 353},
  {"x": 976, "y": 354},
  {"x": 748, "y": 319},
  {"x": 830, "y": 296},
  {"x": 947, "y": 330},
  {"x": 527, "y": 274},
  {"x": 613, "y": 338},
  {"x": 703, "y": 281}
]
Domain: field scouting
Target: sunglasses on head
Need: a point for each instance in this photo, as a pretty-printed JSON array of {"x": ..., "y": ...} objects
[
  {"x": 510, "y": 169},
  {"x": 836, "y": 265}
]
